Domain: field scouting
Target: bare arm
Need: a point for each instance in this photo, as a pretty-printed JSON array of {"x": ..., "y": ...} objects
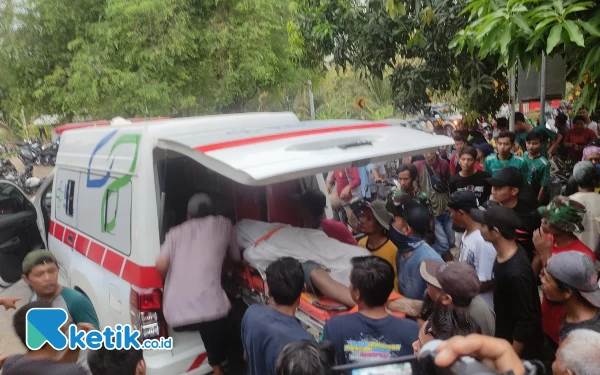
[
  {"x": 163, "y": 260},
  {"x": 540, "y": 196},
  {"x": 485, "y": 286},
  {"x": 410, "y": 307},
  {"x": 557, "y": 141}
]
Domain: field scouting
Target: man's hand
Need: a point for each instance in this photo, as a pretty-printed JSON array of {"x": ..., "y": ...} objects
[
  {"x": 9, "y": 302},
  {"x": 140, "y": 369},
  {"x": 493, "y": 352},
  {"x": 543, "y": 244},
  {"x": 345, "y": 194},
  {"x": 329, "y": 187}
]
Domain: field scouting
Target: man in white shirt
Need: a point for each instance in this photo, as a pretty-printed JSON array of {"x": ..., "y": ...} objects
[
  {"x": 585, "y": 175},
  {"x": 474, "y": 250},
  {"x": 588, "y": 122}
]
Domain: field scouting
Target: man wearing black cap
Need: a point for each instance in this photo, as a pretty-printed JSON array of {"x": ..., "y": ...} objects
[
  {"x": 516, "y": 298},
  {"x": 506, "y": 186},
  {"x": 411, "y": 223},
  {"x": 311, "y": 211},
  {"x": 474, "y": 250},
  {"x": 571, "y": 280}
]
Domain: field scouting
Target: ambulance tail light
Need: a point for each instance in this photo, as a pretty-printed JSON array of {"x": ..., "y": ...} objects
[{"x": 146, "y": 313}]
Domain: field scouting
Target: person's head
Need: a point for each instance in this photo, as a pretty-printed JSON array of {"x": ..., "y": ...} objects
[
  {"x": 407, "y": 174},
  {"x": 505, "y": 143},
  {"x": 592, "y": 153},
  {"x": 285, "y": 279},
  {"x": 411, "y": 217},
  {"x": 497, "y": 223},
  {"x": 502, "y": 124},
  {"x": 578, "y": 354},
  {"x": 534, "y": 142},
  {"x": 467, "y": 158},
  {"x": 585, "y": 175},
  {"x": 430, "y": 157},
  {"x": 571, "y": 276},
  {"x": 561, "y": 119},
  {"x": 483, "y": 150},
  {"x": 20, "y": 318},
  {"x": 116, "y": 361},
  {"x": 304, "y": 358},
  {"x": 562, "y": 215},
  {"x": 520, "y": 122},
  {"x": 460, "y": 205},
  {"x": 450, "y": 283},
  {"x": 40, "y": 272},
  {"x": 583, "y": 112},
  {"x": 310, "y": 205},
  {"x": 506, "y": 185},
  {"x": 371, "y": 280},
  {"x": 459, "y": 142},
  {"x": 579, "y": 123},
  {"x": 200, "y": 205},
  {"x": 375, "y": 218}
]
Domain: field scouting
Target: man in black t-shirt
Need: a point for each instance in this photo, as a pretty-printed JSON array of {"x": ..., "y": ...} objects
[
  {"x": 506, "y": 187},
  {"x": 469, "y": 178},
  {"x": 516, "y": 298}
]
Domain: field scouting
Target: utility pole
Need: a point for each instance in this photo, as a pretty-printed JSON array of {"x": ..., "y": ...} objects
[
  {"x": 543, "y": 91},
  {"x": 311, "y": 99},
  {"x": 511, "y": 100}
]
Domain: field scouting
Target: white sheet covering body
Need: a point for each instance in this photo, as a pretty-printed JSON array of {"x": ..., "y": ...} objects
[{"x": 299, "y": 243}]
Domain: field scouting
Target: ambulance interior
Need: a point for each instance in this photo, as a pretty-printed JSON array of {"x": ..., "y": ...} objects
[{"x": 180, "y": 177}]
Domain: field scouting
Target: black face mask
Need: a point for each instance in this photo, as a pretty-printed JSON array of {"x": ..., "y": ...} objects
[{"x": 403, "y": 242}]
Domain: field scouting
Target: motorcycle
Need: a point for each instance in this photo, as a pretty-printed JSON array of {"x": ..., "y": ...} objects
[
  {"x": 48, "y": 154},
  {"x": 29, "y": 183},
  {"x": 8, "y": 170},
  {"x": 29, "y": 153}
]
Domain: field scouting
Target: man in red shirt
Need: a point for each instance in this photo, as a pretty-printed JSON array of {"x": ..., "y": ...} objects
[
  {"x": 577, "y": 138},
  {"x": 311, "y": 211},
  {"x": 347, "y": 186},
  {"x": 561, "y": 219}
]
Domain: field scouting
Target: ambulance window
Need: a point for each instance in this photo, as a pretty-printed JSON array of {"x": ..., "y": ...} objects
[{"x": 70, "y": 197}]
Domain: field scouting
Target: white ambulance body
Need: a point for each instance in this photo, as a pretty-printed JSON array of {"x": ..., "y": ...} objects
[{"x": 117, "y": 189}]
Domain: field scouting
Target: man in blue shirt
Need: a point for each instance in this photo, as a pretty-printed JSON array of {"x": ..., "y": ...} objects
[
  {"x": 371, "y": 333},
  {"x": 266, "y": 330},
  {"x": 411, "y": 224}
]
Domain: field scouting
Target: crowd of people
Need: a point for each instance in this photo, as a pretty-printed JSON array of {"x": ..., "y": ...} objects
[{"x": 473, "y": 239}]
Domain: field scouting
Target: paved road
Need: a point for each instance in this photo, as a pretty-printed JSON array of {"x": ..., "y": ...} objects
[{"x": 9, "y": 342}]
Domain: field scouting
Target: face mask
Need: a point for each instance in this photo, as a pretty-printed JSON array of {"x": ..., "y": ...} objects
[{"x": 403, "y": 242}]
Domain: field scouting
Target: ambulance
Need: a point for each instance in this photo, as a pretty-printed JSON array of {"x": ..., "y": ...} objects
[{"x": 116, "y": 190}]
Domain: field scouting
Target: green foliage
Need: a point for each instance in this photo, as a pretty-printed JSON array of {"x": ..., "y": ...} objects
[
  {"x": 523, "y": 29},
  {"x": 108, "y": 58},
  {"x": 407, "y": 40}
]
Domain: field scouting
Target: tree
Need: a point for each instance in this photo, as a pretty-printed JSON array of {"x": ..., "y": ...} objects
[
  {"x": 521, "y": 30},
  {"x": 407, "y": 40},
  {"x": 106, "y": 58}
]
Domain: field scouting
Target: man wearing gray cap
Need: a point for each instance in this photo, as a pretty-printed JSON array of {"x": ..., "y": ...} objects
[
  {"x": 190, "y": 260},
  {"x": 571, "y": 279},
  {"x": 585, "y": 175}
]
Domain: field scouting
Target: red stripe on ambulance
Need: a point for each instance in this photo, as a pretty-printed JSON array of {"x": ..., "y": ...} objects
[
  {"x": 111, "y": 260},
  {"x": 276, "y": 137},
  {"x": 197, "y": 362}
]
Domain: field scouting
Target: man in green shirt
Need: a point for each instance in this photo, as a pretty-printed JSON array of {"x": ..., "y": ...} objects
[
  {"x": 504, "y": 158},
  {"x": 538, "y": 168},
  {"x": 522, "y": 128}
]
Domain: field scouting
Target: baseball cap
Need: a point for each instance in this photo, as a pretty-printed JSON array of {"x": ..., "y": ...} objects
[
  {"x": 463, "y": 200},
  {"x": 416, "y": 214},
  {"x": 198, "y": 200},
  {"x": 312, "y": 200},
  {"x": 382, "y": 215},
  {"x": 34, "y": 257},
  {"x": 503, "y": 218},
  {"x": 578, "y": 271},
  {"x": 458, "y": 279},
  {"x": 485, "y": 148},
  {"x": 584, "y": 172},
  {"x": 507, "y": 176}
]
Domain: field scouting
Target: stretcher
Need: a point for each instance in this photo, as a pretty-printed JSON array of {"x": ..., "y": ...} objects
[{"x": 249, "y": 284}]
